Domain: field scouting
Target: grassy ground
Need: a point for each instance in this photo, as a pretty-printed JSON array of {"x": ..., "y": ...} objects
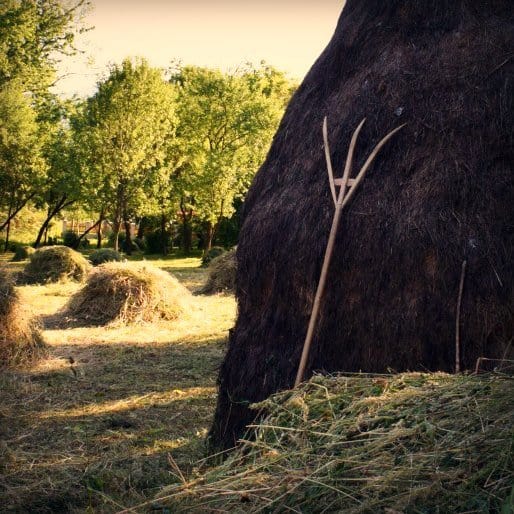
[{"x": 104, "y": 422}]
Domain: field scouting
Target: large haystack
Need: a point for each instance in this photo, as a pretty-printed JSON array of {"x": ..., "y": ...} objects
[
  {"x": 439, "y": 193},
  {"x": 222, "y": 274},
  {"x": 129, "y": 293},
  {"x": 20, "y": 339},
  {"x": 54, "y": 264}
]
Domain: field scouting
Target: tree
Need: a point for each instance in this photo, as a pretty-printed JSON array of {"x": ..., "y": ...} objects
[
  {"x": 22, "y": 167},
  {"x": 62, "y": 185},
  {"x": 227, "y": 122},
  {"x": 126, "y": 129},
  {"x": 33, "y": 34}
]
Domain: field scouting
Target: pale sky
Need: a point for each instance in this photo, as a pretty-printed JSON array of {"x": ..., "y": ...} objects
[{"x": 288, "y": 34}]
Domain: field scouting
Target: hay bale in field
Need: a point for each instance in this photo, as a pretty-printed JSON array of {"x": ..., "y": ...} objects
[
  {"x": 355, "y": 444},
  {"x": 54, "y": 264},
  {"x": 440, "y": 192},
  {"x": 22, "y": 253},
  {"x": 20, "y": 339},
  {"x": 214, "y": 252},
  {"x": 222, "y": 274},
  {"x": 129, "y": 293},
  {"x": 104, "y": 255}
]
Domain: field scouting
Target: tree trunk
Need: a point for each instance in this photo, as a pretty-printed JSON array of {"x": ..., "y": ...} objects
[
  {"x": 164, "y": 246},
  {"x": 7, "y": 232},
  {"x": 51, "y": 213},
  {"x": 86, "y": 232},
  {"x": 99, "y": 236},
  {"x": 116, "y": 230},
  {"x": 209, "y": 236}
]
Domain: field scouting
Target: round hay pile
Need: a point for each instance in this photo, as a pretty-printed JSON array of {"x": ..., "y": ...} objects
[
  {"x": 409, "y": 443},
  {"x": 129, "y": 293},
  {"x": 214, "y": 252},
  {"x": 104, "y": 255},
  {"x": 222, "y": 274},
  {"x": 22, "y": 253},
  {"x": 20, "y": 339},
  {"x": 55, "y": 263}
]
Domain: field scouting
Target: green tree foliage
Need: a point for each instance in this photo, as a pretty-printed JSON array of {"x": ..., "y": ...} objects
[
  {"x": 33, "y": 34},
  {"x": 227, "y": 122},
  {"x": 125, "y": 134},
  {"x": 22, "y": 167}
]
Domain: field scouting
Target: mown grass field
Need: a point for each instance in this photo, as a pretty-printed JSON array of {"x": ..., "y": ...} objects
[{"x": 113, "y": 412}]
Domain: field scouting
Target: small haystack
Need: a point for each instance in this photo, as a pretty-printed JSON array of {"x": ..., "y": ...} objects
[
  {"x": 20, "y": 339},
  {"x": 22, "y": 253},
  {"x": 129, "y": 293},
  {"x": 54, "y": 264},
  {"x": 222, "y": 274},
  {"x": 211, "y": 254},
  {"x": 408, "y": 443},
  {"x": 439, "y": 194},
  {"x": 104, "y": 255}
]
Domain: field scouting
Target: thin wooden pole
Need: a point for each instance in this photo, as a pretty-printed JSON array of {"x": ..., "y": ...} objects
[
  {"x": 457, "y": 317},
  {"x": 342, "y": 200}
]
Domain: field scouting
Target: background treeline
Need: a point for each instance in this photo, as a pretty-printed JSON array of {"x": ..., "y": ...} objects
[{"x": 173, "y": 152}]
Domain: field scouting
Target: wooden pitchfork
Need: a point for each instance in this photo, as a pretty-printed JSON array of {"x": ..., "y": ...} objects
[{"x": 340, "y": 200}]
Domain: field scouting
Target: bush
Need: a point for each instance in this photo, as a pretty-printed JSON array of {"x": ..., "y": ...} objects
[
  {"x": 127, "y": 293},
  {"x": 121, "y": 242},
  {"x": 214, "y": 252},
  {"x": 22, "y": 253},
  {"x": 20, "y": 339},
  {"x": 140, "y": 242},
  {"x": 71, "y": 239},
  {"x": 222, "y": 274},
  {"x": 155, "y": 241},
  {"x": 55, "y": 263},
  {"x": 104, "y": 255}
]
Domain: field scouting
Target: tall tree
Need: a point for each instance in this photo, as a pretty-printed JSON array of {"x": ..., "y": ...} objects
[
  {"x": 127, "y": 127},
  {"x": 227, "y": 122},
  {"x": 22, "y": 167}
]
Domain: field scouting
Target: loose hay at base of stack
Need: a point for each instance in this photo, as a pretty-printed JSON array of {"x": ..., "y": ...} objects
[
  {"x": 55, "y": 264},
  {"x": 408, "y": 443},
  {"x": 222, "y": 274},
  {"x": 129, "y": 293},
  {"x": 20, "y": 339}
]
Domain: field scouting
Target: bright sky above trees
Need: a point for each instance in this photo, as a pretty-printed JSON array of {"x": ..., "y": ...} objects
[{"x": 288, "y": 34}]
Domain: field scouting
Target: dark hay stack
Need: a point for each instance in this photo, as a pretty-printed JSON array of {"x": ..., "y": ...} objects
[
  {"x": 129, "y": 293},
  {"x": 22, "y": 253},
  {"x": 104, "y": 255},
  {"x": 55, "y": 264},
  {"x": 21, "y": 342},
  {"x": 439, "y": 193},
  {"x": 222, "y": 274},
  {"x": 214, "y": 252}
]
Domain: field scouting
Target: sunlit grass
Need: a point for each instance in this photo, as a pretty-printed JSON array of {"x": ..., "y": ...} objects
[{"x": 92, "y": 426}]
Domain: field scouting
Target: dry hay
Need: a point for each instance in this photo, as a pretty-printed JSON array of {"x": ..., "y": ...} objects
[
  {"x": 20, "y": 339},
  {"x": 104, "y": 255},
  {"x": 55, "y": 264},
  {"x": 409, "y": 443},
  {"x": 129, "y": 293},
  {"x": 222, "y": 274},
  {"x": 22, "y": 253},
  {"x": 211, "y": 254},
  {"x": 439, "y": 193}
]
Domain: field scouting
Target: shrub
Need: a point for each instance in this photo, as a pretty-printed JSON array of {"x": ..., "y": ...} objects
[
  {"x": 214, "y": 252},
  {"x": 71, "y": 239},
  {"x": 155, "y": 241},
  {"x": 22, "y": 253},
  {"x": 127, "y": 293},
  {"x": 20, "y": 339},
  {"x": 55, "y": 263},
  {"x": 104, "y": 255},
  {"x": 222, "y": 274}
]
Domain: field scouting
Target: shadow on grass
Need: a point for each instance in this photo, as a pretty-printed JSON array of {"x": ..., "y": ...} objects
[{"x": 97, "y": 432}]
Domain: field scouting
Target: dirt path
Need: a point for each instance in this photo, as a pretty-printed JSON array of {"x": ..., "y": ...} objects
[{"x": 94, "y": 425}]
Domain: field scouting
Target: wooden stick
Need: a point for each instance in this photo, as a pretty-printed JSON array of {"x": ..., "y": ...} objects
[
  {"x": 457, "y": 317},
  {"x": 342, "y": 200},
  {"x": 329, "y": 161}
]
